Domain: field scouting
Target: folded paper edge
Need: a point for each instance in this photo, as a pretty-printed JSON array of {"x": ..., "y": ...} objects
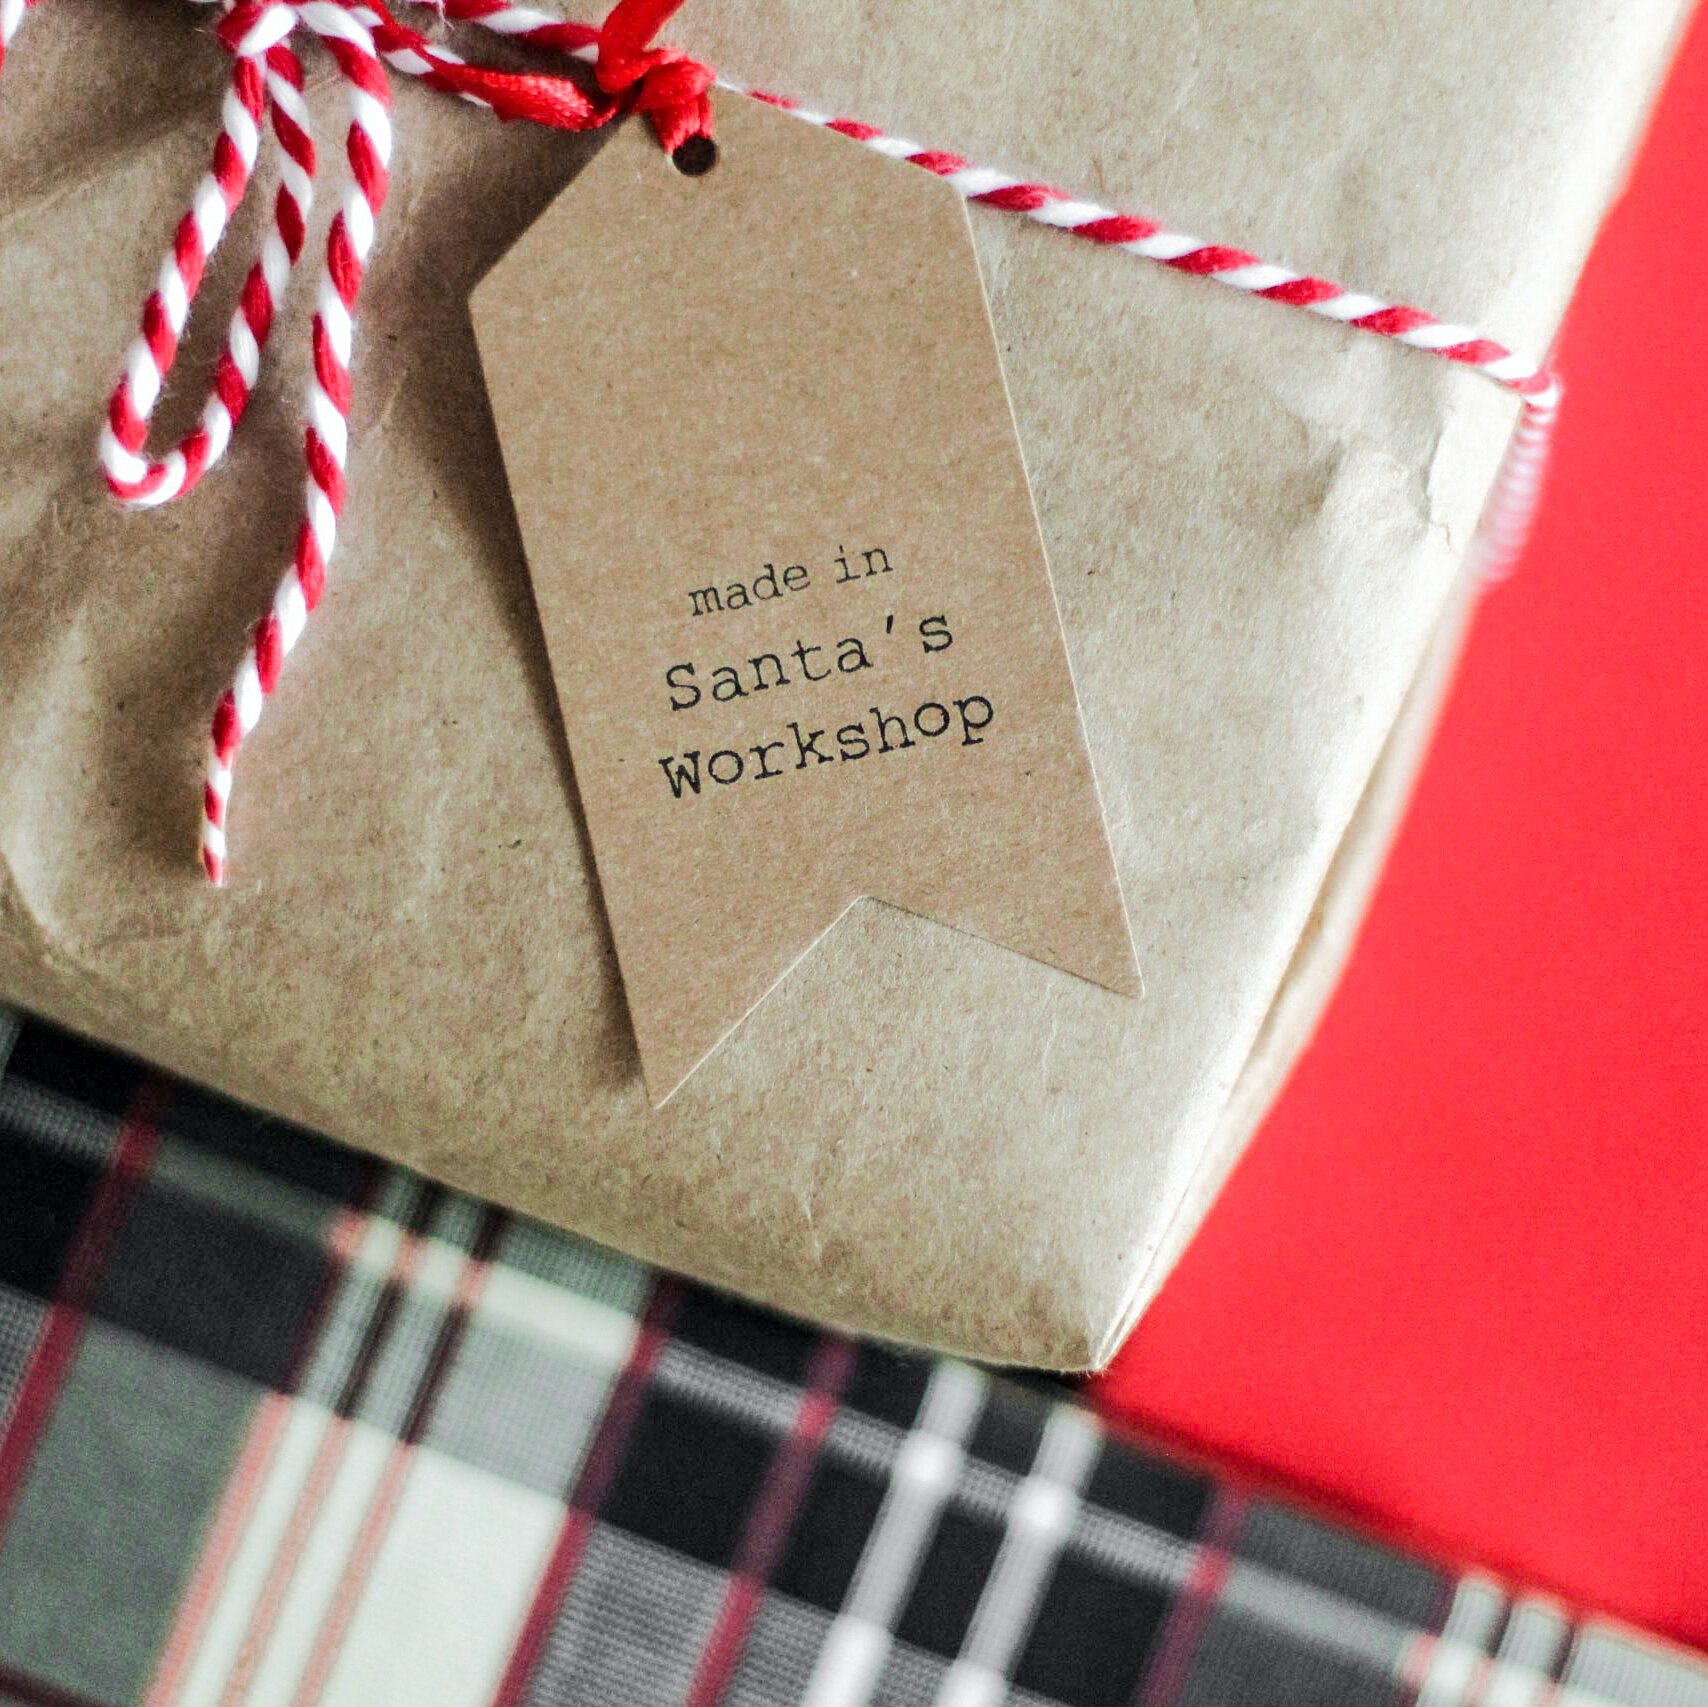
[{"x": 1313, "y": 973}]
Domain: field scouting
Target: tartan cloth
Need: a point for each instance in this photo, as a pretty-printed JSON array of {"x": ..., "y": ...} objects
[{"x": 283, "y": 1425}]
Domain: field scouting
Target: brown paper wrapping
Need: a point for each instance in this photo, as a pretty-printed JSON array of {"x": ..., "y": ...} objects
[{"x": 1255, "y": 523}]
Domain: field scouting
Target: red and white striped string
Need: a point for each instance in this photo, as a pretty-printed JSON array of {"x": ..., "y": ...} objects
[
  {"x": 326, "y": 437},
  {"x": 266, "y": 74},
  {"x": 364, "y": 39},
  {"x": 11, "y": 16}
]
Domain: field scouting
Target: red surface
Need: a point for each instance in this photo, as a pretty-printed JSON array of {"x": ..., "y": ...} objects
[{"x": 1459, "y": 1287}]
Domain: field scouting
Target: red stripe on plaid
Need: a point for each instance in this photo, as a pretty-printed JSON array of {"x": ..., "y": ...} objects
[
  {"x": 329, "y": 1455},
  {"x": 1165, "y": 1677},
  {"x": 271, "y": 1600},
  {"x": 62, "y": 1332},
  {"x": 359, "y": 1567},
  {"x": 231, "y": 1522},
  {"x": 770, "y": 1521},
  {"x": 249, "y": 1473},
  {"x": 598, "y": 1471}
]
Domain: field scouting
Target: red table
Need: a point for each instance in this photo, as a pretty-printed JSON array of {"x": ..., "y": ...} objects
[{"x": 1459, "y": 1288}]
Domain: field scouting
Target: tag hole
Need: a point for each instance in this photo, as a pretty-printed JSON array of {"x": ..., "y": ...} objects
[{"x": 695, "y": 157}]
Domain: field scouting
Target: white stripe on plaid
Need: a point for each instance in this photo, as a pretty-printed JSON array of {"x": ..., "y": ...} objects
[
  {"x": 294, "y": 1477},
  {"x": 1610, "y": 1668},
  {"x": 1459, "y": 1657},
  {"x": 269, "y": 1518},
  {"x": 310, "y": 1582},
  {"x": 1317, "y": 1618},
  {"x": 1531, "y": 1649},
  {"x": 1602, "y": 1668},
  {"x": 502, "y": 1536},
  {"x": 1041, "y": 1516},
  {"x": 309, "y": 1477},
  {"x": 924, "y": 1474},
  {"x": 730, "y": 1389},
  {"x": 391, "y": 1496}
]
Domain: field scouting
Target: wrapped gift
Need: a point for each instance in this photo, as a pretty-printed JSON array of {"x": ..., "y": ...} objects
[{"x": 1257, "y": 522}]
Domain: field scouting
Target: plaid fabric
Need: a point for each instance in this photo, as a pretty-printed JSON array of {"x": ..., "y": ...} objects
[{"x": 284, "y": 1426}]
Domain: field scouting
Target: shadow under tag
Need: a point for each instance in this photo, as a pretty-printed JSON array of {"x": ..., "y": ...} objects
[{"x": 785, "y": 555}]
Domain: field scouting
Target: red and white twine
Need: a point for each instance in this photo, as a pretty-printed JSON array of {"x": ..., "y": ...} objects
[
  {"x": 265, "y": 74},
  {"x": 11, "y": 16},
  {"x": 326, "y": 436},
  {"x": 364, "y": 39}
]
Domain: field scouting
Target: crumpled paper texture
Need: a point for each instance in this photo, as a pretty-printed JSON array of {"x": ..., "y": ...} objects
[{"x": 1255, "y": 523}]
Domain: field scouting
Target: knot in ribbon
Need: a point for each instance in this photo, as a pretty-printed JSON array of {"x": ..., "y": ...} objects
[{"x": 662, "y": 82}]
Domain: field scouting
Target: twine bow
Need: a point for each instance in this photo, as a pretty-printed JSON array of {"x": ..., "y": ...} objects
[{"x": 363, "y": 39}]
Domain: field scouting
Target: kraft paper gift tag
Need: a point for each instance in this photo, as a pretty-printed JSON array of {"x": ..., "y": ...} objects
[{"x": 789, "y": 571}]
